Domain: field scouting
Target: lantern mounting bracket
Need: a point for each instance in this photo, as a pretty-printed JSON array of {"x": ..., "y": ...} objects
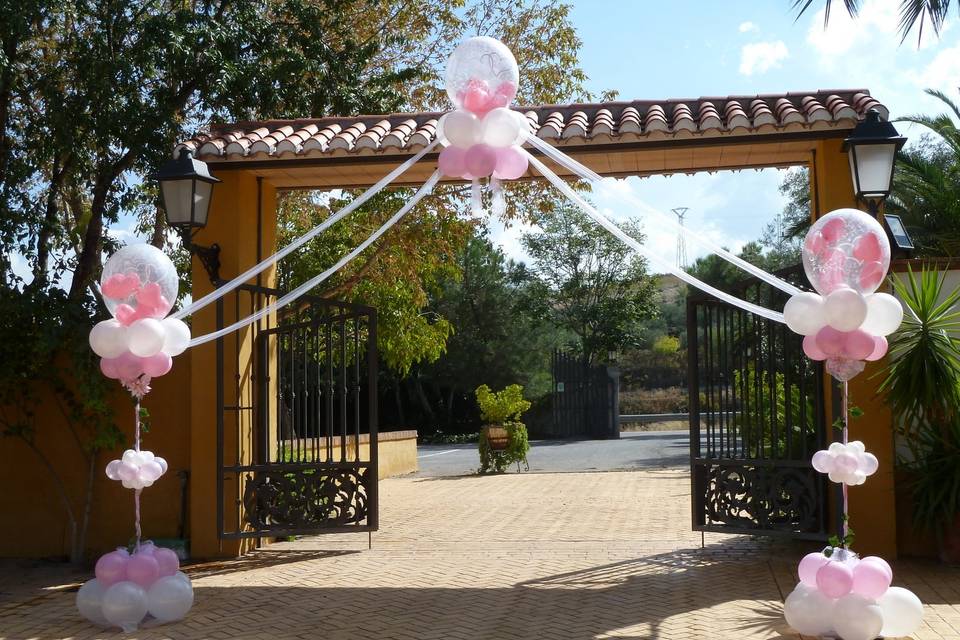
[{"x": 209, "y": 256}]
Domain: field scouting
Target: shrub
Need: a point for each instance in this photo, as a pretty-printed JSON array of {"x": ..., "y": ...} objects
[{"x": 503, "y": 408}]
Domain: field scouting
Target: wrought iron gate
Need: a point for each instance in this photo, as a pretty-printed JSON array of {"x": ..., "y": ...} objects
[
  {"x": 756, "y": 418},
  {"x": 585, "y": 399},
  {"x": 297, "y": 424}
]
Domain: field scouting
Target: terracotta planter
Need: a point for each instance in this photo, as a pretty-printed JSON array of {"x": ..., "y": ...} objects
[{"x": 497, "y": 437}]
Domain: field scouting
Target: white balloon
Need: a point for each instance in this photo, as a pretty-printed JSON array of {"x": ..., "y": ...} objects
[
  {"x": 902, "y": 612},
  {"x": 857, "y": 618},
  {"x": 90, "y": 602},
  {"x": 169, "y": 598},
  {"x": 500, "y": 128},
  {"x": 125, "y": 605},
  {"x": 461, "y": 128},
  {"x": 113, "y": 470},
  {"x": 177, "y": 336},
  {"x": 804, "y": 313},
  {"x": 108, "y": 339},
  {"x": 146, "y": 337},
  {"x": 845, "y": 308},
  {"x": 808, "y": 611},
  {"x": 884, "y": 314},
  {"x": 180, "y": 575}
]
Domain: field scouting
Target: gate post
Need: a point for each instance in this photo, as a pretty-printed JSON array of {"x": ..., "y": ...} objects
[
  {"x": 242, "y": 221},
  {"x": 872, "y": 505}
]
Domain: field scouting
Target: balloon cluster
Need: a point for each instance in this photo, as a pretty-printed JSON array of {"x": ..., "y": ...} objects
[
  {"x": 845, "y": 255},
  {"x": 137, "y": 469},
  {"x": 139, "y": 285},
  {"x": 840, "y": 595},
  {"x": 482, "y": 135},
  {"x": 131, "y": 588},
  {"x": 849, "y": 463}
]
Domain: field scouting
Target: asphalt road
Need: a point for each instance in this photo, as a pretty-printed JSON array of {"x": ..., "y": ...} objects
[{"x": 634, "y": 450}]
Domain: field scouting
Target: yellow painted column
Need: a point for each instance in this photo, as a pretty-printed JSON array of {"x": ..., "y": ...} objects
[
  {"x": 238, "y": 204},
  {"x": 872, "y": 505}
]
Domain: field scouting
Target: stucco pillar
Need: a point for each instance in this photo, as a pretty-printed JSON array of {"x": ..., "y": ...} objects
[
  {"x": 242, "y": 220},
  {"x": 872, "y": 505}
]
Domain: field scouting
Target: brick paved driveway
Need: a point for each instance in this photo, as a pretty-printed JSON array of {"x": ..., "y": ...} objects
[{"x": 560, "y": 556}]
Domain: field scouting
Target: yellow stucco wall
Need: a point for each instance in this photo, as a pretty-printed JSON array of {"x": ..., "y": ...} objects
[{"x": 872, "y": 505}]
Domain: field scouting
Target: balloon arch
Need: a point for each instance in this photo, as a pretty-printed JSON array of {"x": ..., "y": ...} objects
[{"x": 846, "y": 256}]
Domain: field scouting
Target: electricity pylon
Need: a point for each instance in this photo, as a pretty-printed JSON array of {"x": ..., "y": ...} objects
[{"x": 681, "y": 212}]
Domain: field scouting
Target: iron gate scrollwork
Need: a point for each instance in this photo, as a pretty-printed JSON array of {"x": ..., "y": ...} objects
[
  {"x": 756, "y": 418},
  {"x": 302, "y": 437}
]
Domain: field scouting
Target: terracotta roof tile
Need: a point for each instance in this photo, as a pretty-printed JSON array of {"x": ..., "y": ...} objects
[{"x": 573, "y": 124}]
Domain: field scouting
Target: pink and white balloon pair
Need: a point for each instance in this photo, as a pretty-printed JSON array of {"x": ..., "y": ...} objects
[
  {"x": 139, "y": 286},
  {"x": 846, "y": 255},
  {"x": 840, "y": 595},
  {"x": 131, "y": 588},
  {"x": 482, "y": 136}
]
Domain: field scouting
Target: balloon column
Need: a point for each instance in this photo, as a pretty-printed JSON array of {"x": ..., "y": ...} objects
[
  {"x": 139, "y": 286},
  {"x": 482, "y": 135},
  {"x": 846, "y": 256}
]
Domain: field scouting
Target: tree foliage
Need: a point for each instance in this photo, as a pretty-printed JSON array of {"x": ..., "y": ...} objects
[{"x": 913, "y": 13}]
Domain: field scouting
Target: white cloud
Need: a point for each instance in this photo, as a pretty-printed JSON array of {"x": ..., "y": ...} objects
[
  {"x": 760, "y": 57},
  {"x": 943, "y": 72},
  {"x": 509, "y": 239},
  {"x": 747, "y": 27}
]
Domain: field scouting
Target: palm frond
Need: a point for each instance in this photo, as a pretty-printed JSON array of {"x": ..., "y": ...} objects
[
  {"x": 914, "y": 12},
  {"x": 852, "y": 7}
]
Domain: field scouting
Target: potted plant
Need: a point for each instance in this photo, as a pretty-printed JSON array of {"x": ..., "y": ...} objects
[
  {"x": 922, "y": 387},
  {"x": 503, "y": 440}
]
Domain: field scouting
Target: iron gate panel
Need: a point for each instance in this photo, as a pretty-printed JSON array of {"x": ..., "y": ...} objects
[
  {"x": 756, "y": 418},
  {"x": 304, "y": 461},
  {"x": 586, "y": 400}
]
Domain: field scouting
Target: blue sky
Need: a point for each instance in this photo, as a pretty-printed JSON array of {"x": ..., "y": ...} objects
[{"x": 658, "y": 50}]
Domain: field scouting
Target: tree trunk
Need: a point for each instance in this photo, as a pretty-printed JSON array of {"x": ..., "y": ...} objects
[
  {"x": 450, "y": 397},
  {"x": 422, "y": 397},
  {"x": 399, "y": 400},
  {"x": 87, "y": 505}
]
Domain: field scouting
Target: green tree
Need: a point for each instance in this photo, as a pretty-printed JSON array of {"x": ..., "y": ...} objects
[
  {"x": 593, "y": 284},
  {"x": 913, "y": 13},
  {"x": 926, "y": 184}
]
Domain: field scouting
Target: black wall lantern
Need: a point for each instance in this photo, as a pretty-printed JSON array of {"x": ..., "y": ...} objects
[
  {"x": 186, "y": 187},
  {"x": 872, "y": 148}
]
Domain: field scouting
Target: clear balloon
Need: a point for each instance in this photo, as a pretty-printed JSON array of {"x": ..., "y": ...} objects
[
  {"x": 846, "y": 247},
  {"x": 143, "y": 279},
  {"x": 146, "y": 337},
  {"x": 170, "y": 598},
  {"x": 808, "y": 611},
  {"x": 857, "y": 618},
  {"x": 844, "y": 369},
  {"x": 804, "y": 313},
  {"x": 482, "y": 74},
  {"x": 108, "y": 339},
  {"x": 884, "y": 314},
  {"x": 902, "y": 612},
  {"x": 845, "y": 309},
  {"x": 90, "y": 602},
  {"x": 125, "y": 605}
]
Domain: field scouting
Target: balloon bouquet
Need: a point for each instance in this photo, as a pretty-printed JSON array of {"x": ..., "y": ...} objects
[
  {"x": 846, "y": 255},
  {"x": 139, "y": 286},
  {"x": 483, "y": 135}
]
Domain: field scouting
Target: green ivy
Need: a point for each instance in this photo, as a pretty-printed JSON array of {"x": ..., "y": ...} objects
[{"x": 518, "y": 444}]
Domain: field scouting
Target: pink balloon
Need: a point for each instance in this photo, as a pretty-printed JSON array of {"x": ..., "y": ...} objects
[
  {"x": 830, "y": 341},
  {"x": 811, "y": 349},
  {"x": 129, "y": 366},
  {"x": 143, "y": 569},
  {"x": 125, "y": 314},
  {"x": 451, "y": 162},
  {"x": 512, "y": 163},
  {"x": 880, "y": 562},
  {"x": 127, "y": 471},
  {"x": 111, "y": 568},
  {"x": 835, "y": 579},
  {"x": 833, "y": 230},
  {"x": 809, "y": 566},
  {"x": 110, "y": 368},
  {"x": 870, "y": 580},
  {"x": 480, "y": 160},
  {"x": 476, "y": 97},
  {"x": 157, "y": 365},
  {"x": 167, "y": 560},
  {"x": 860, "y": 344},
  {"x": 880, "y": 346},
  {"x": 815, "y": 244},
  {"x": 868, "y": 248},
  {"x": 508, "y": 90},
  {"x": 871, "y": 275},
  {"x": 120, "y": 285}
]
